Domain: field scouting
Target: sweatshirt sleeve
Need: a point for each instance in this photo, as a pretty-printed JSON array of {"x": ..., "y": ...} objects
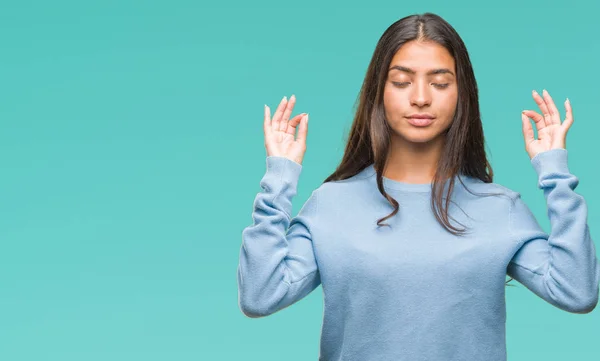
[
  {"x": 277, "y": 265},
  {"x": 562, "y": 268}
]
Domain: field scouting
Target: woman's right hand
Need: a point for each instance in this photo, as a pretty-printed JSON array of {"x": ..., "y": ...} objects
[{"x": 280, "y": 131}]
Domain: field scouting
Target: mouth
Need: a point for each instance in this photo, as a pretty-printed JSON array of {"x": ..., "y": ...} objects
[{"x": 420, "y": 121}]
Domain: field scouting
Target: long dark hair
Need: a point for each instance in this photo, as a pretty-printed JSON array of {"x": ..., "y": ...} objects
[{"x": 369, "y": 139}]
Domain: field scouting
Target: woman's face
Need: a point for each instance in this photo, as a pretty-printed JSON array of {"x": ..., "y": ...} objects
[{"x": 409, "y": 89}]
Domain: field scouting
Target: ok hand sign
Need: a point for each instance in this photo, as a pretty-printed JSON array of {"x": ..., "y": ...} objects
[
  {"x": 280, "y": 132},
  {"x": 551, "y": 132}
]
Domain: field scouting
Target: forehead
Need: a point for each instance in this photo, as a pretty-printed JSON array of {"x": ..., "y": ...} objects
[{"x": 423, "y": 56}]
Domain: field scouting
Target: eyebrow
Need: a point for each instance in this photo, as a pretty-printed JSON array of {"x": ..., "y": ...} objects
[{"x": 431, "y": 72}]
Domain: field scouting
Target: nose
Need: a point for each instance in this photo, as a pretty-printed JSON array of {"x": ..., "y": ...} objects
[{"x": 420, "y": 94}]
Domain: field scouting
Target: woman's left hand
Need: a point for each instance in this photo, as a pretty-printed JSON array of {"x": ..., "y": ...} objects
[{"x": 552, "y": 133}]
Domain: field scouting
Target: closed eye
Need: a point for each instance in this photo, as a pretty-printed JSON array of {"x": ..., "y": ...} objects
[{"x": 401, "y": 85}]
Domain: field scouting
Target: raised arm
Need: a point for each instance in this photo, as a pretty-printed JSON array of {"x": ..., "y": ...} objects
[
  {"x": 562, "y": 267},
  {"x": 277, "y": 264}
]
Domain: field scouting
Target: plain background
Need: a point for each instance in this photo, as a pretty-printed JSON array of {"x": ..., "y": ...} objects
[{"x": 131, "y": 150}]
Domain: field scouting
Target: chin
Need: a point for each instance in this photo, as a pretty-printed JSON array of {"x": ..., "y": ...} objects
[
  {"x": 418, "y": 139},
  {"x": 414, "y": 134},
  {"x": 419, "y": 135}
]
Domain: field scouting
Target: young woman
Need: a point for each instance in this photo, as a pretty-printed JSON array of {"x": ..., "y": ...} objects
[{"x": 417, "y": 287}]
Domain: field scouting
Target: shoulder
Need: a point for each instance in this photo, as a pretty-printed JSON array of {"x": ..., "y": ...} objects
[
  {"x": 350, "y": 188},
  {"x": 479, "y": 186},
  {"x": 357, "y": 179},
  {"x": 493, "y": 197}
]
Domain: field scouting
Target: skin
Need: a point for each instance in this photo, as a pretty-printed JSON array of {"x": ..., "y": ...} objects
[
  {"x": 415, "y": 151},
  {"x": 280, "y": 131},
  {"x": 552, "y": 134}
]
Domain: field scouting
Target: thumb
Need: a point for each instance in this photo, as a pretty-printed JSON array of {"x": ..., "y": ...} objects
[
  {"x": 527, "y": 129},
  {"x": 303, "y": 129}
]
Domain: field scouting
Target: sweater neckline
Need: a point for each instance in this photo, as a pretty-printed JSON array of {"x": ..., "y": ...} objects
[{"x": 398, "y": 185}]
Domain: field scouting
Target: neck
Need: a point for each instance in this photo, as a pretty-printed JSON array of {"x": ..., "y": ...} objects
[{"x": 412, "y": 162}]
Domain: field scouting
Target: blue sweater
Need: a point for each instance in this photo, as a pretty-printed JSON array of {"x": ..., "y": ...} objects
[{"x": 414, "y": 291}]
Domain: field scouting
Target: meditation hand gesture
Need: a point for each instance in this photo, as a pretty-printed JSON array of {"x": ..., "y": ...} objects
[
  {"x": 280, "y": 132},
  {"x": 551, "y": 133}
]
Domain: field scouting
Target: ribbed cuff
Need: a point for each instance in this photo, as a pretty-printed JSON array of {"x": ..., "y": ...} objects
[
  {"x": 284, "y": 169},
  {"x": 550, "y": 162}
]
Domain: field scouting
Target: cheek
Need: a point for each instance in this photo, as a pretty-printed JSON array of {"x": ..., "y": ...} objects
[
  {"x": 387, "y": 96},
  {"x": 391, "y": 100},
  {"x": 449, "y": 103}
]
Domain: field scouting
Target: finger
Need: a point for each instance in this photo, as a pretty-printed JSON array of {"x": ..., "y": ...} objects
[
  {"x": 546, "y": 113},
  {"x": 303, "y": 130},
  {"x": 527, "y": 129},
  {"x": 569, "y": 116},
  {"x": 291, "y": 129},
  {"x": 267, "y": 120},
  {"x": 286, "y": 114},
  {"x": 278, "y": 114},
  {"x": 554, "y": 114},
  {"x": 537, "y": 118}
]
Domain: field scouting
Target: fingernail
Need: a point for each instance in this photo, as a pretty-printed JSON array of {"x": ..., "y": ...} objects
[
  {"x": 568, "y": 101},
  {"x": 534, "y": 92},
  {"x": 545, "y": 91},
  {"x": 293, "y": 96},
  {"x": 307, "y": 118}
]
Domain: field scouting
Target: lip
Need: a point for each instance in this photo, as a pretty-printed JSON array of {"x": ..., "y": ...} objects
[
  {"x": 422, "y": 121},
  {"x": 421, "y": 116}
]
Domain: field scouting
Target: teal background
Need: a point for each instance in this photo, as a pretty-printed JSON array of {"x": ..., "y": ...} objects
[{"x": 131, "y": 150}]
